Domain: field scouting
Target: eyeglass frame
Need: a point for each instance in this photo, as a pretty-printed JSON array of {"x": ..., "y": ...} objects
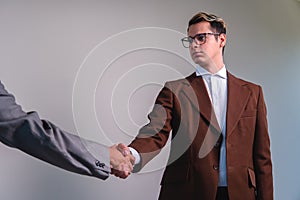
[{"x": 191, "y": 39}]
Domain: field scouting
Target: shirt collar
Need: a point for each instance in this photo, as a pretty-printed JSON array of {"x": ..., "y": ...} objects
[{"x": 200, "y": 71}]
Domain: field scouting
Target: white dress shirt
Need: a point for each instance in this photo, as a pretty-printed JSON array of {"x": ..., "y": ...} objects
[{"x": 216, "y": 86}]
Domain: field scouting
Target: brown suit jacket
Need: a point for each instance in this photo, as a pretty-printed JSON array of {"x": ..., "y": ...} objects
[{"x": 184, "y": 107}]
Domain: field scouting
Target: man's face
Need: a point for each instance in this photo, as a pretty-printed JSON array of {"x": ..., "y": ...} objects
[{"x": 209, "y": 52}]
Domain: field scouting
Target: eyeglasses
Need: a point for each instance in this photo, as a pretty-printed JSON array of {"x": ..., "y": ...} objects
[{"x": 201, "y": 39}]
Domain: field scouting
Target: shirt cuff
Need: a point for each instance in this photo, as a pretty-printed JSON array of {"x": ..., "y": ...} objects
[{"x": 136, "y": 155}]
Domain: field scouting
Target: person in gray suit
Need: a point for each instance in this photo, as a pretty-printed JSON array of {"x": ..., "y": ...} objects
[{"x": 45, "y": 141}]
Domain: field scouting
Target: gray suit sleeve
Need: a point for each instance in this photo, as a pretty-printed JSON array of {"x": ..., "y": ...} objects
[{"x": 45, "y": 141}]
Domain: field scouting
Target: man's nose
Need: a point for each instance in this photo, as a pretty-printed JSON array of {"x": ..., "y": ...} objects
[{"x": 195, "y": 44}]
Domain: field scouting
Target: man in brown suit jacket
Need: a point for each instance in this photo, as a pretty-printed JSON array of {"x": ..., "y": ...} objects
[{"x": 220, "y": 147}]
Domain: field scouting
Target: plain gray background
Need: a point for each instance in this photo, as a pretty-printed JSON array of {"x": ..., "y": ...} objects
[{"x": 43, "y": 45}]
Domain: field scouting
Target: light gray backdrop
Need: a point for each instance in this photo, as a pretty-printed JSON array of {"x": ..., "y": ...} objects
[{"x": 113, "y": 56}]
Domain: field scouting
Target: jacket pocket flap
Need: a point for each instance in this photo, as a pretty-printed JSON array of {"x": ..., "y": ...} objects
[{"x": 249, "y": 113}]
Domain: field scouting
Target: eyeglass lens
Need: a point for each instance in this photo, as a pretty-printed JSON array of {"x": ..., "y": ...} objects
[{"x": 200, "y": 37}]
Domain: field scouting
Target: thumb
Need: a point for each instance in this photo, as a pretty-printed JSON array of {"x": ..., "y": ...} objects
[{"x": 123, "y": 149}]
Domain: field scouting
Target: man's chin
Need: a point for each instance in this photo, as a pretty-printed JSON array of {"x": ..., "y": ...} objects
[{"x": 199, "y": 62}]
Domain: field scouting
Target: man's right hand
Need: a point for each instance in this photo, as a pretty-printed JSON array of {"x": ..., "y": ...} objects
[{"x": 121, "y": 160}]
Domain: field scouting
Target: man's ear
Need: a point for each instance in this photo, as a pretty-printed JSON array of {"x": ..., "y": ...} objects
[{"x": 222, "y": 40}]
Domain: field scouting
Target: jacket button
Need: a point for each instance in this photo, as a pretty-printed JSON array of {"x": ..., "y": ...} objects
[
  {"x": 216, "y": 167},
  {"x": 99, "y": 164}
]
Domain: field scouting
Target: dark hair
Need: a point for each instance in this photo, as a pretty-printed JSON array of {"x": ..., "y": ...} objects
[{"x": 216, "y": 22}]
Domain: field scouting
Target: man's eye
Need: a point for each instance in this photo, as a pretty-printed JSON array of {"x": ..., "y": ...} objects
[{"x": 200, "y": 38}]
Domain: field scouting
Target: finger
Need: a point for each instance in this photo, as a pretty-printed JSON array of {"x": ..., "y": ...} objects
[
  {"x": 120, "y": 174},
  {"x": 132, "y": 159},
  {"x": 126, "y": 168},
  {"x": 123, "y": 149}
]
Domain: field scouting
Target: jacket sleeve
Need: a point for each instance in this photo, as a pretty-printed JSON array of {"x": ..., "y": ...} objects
[
  {"x": 153, "y": 136},
  {"x": 45, "y": 141},
  {"x": 262, "y": 154}
]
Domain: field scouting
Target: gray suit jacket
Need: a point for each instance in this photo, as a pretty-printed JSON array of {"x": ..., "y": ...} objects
[{"x": 44, "y": 140}]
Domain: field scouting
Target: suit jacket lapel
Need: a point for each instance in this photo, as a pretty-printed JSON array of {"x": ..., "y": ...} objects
[
  {"x": 237, "y": 101},
  {"x": 198, "y": 95},
  {"x": 199, "y": 98}
]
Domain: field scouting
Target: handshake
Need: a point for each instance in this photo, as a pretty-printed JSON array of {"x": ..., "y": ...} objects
[{"x": 121, "y": 160}]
